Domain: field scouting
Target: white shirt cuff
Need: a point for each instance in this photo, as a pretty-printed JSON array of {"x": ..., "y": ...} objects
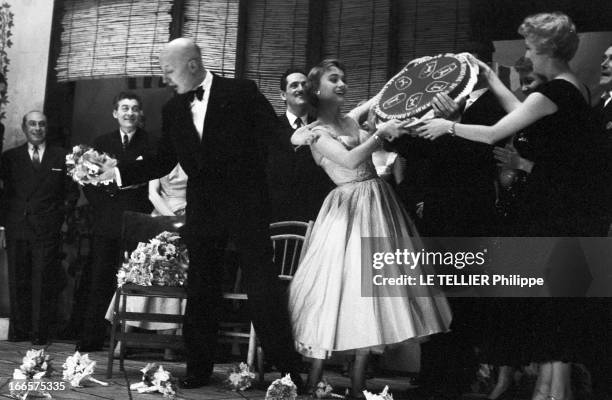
[{"x": 118, "y": 177}]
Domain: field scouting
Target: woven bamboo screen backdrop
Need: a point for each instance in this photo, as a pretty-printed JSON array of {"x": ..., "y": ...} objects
[
  {"x": 357, "y": 32},
  {"x": 122, "y": 38},
  {"x": 112, "y": 38},
  {"x": 213, "y": 25},
  {"x": 276, "y": 40},
  {"x": 430, "y": 27}
]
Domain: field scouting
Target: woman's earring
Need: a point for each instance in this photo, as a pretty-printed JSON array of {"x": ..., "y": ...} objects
[{"x": 318, "y": 92}]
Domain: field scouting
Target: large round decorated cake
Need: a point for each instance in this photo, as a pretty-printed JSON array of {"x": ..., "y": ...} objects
[{"x": 408, "y": 94}]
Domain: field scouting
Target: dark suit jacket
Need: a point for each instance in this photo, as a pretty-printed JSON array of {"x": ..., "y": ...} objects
[
  {"x": 33, "y": 201},
  {"x": 109, "y": 203},
  {"x": 227, "y": 188},
  {"x": 459, "y": 193},
  {"x": 298, "y": 185}
]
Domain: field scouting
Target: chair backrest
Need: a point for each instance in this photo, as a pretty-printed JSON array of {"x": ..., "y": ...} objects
[
  {"x": 289, "y": 245},
  {"x": 139, "y": 227}
]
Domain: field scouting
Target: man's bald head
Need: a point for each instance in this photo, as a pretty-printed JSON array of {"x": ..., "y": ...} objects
[{"x": 181, "y": 64}]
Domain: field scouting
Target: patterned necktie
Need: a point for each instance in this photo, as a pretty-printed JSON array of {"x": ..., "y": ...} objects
[
  {"x": 35, "y": 157},
  {"x": 126, "y": 141},
  {"x": 298, "y": 123}
]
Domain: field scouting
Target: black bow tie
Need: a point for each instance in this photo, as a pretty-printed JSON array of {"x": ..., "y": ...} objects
[{"x": 199, "y": 93}]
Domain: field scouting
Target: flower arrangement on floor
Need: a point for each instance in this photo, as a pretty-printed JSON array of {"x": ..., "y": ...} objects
[
  {"x": 282, "y": 389},
  {"x": 156, "y": 379},
  {"x": 325, "y": 391},
  {"x": 163, "y": 261},
  {"x": 384, "y": 395},
  {"x": 84, "y": 163},
  {"x": 35, "y": 365},
  {"x": 240, "y": 377},
  {"x": 79, "y": 369}
]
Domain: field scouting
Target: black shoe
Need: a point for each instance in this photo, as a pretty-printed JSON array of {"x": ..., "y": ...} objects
[
  {"x": 193, "y": 381},
  {"x": 84, "y": 347}
]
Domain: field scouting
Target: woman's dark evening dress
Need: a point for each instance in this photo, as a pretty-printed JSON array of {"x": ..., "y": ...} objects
[{"x": 559, "y": 201}]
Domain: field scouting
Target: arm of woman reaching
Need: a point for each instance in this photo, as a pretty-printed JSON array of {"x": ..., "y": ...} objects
[
  {"x": 158, "y": 202},
  {"x": 336, "y": 152},
  {"x": 506, "y": 98},
  {"x": 535, "y": 107}
]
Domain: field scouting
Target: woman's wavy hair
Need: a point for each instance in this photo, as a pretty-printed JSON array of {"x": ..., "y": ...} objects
[
  {"x": 314, "y": 79},
  {"x": 552, "y": 33}
]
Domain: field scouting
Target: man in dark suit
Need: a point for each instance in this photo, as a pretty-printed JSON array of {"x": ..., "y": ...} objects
[
  {"x": 217, "y": 129},
  {"x": 127, "y": 143},
  {"x": 459, "y": 201},
  {"x": 36, "y": 192},
  {"x": 298, "y": 185}
]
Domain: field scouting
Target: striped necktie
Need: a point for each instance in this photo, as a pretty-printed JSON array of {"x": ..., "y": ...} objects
[{"x": 35, "y": 157}]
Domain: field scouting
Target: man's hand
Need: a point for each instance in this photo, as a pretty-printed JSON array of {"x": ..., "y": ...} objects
[
  {"x": 508, "y": 157},
  {"x": 105, "y": 173},
  {"x": 445, "y": 107}
]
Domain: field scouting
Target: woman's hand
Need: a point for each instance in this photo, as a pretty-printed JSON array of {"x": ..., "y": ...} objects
[
  {"x": 434, "y": 128},
  {"x": 483, "y": 69},
  {"x": 392, "y": 129},
  {"x": 305, "y": 136}
]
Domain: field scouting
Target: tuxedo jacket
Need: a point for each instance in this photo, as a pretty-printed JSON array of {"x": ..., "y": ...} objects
[
  {"x": 459, "y": 193},
  {"x": 298, "y": 185},
  {"x": 34, "y": 200},
  {"x": 227, "y": 189},
  {"x": 109, "y": 202}
]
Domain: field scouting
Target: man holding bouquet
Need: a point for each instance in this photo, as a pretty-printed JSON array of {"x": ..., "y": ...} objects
[
  {"x": 126, "y": 144},
  {"x": 217, "y": 128}
]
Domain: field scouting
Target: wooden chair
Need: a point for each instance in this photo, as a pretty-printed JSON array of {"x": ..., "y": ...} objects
[
  {"x": 289, "y": 242},
  {"x": 138, "y": 227}
]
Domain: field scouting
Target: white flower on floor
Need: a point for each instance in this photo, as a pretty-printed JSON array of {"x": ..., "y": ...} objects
[
  {"x": 240, "y": 377},
  {"x": 325, "y": 391},
  {"x": 156, "y": 380},
  {"x": 79, "y": 369},
  {"x": 384, "y": 395},
  {"x": 282, "y": 389},
  {"x": 35, "y": 365}
]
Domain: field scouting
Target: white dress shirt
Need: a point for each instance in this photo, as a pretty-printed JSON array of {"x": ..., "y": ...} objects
[
  {"x": 199, "y": 107},
  {"x": 41, "y": 150},
  {"x": 292, "y": 118}
]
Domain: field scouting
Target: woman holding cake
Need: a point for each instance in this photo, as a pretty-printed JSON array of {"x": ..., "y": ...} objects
[
  {"x": 563, "y": 144},
  {"x": 325, "y": 297}
]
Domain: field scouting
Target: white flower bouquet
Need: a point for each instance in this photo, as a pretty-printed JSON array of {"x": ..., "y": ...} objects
[
  {"x": 85, "y": 163},
  {"x": 156, "y": 380},
  {"x": 384, "y": 395},
  {"x": 35, "y": 365},
  {"x": 325, "y": 391},
  {"x": 282, "y": 389},
  {"x": 163, "y": 261},
  {"x": 79, "y": 369},
  {"x": 240, "y": 377}
]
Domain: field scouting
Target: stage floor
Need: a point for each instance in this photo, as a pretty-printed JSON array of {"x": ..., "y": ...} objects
[{"x": 11, "y": 355}]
